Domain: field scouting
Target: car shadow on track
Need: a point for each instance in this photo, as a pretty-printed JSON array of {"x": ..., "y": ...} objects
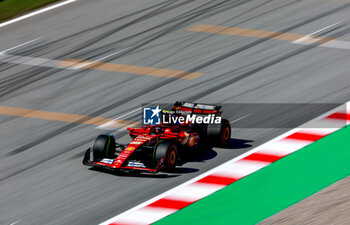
[
  {"x": 134, "y": 174},
  {"x": 209, "y": 153},
  {"x": 239, "y": 143},
  {"x": 199, "y": 156}
]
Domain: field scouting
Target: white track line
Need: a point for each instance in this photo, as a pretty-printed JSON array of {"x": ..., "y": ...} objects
[
  {"x": 107, "y": 56},
  {"x": 44, "y": 62},
  {"x": 28, "y": 42},
  {"x": 31, "y": 61},
  {"x": 318, "y": 31},
  {"x": 36, "y": 12},
  {"x": 15, "y": 222},
  {"x": 81, "y": 65},
  {"x": 306, "y": 40},
  {"x": 240, "y": 118},
  {"x": 105, "y": 125}
]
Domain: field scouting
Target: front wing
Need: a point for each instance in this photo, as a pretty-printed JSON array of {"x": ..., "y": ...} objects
[{"x": 107, "y": 164}]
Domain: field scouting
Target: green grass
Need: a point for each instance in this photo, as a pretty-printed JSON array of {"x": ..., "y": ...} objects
[
  {"x": 273, "y": 188},
  {"x": 13, "y": 8}
]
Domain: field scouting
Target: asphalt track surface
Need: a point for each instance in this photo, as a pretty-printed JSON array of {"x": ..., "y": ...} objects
[{"x": 42, "y": 180}]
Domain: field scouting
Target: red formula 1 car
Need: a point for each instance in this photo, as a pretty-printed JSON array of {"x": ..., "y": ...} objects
[{"x": 157, "y": 147}]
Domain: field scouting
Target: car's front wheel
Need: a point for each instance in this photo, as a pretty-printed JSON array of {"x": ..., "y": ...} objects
[{"x": 104, "y": 147}]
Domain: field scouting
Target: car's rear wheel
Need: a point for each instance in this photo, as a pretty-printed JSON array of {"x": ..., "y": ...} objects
[
  {"x": 219, "y": 134},
  {"x": 104, "y": 147},
  {"x": 166, "y": 154}
]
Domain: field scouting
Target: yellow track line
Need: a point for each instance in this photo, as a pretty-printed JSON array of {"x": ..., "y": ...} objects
[
  {"x": 140, "y": 70},
  {"x": 64, "y": 117},
  {"x": 244, "y": 32}
]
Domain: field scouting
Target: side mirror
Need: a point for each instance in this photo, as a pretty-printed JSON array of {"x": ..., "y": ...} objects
[{"x": 130, "y": 129}]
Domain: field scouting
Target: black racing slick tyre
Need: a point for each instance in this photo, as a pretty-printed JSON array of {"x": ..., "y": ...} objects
[
  {"x": 166, "y": 154},
  {"x": 104, "y": 147},
  {"x": 219, "y": 134}
]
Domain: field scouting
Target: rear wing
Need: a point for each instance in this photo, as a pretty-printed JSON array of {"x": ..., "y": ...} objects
[{"x": 197, "y": 108}]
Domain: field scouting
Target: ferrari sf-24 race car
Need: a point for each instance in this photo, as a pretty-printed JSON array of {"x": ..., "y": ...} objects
[{"x": 157, "y": 148}]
